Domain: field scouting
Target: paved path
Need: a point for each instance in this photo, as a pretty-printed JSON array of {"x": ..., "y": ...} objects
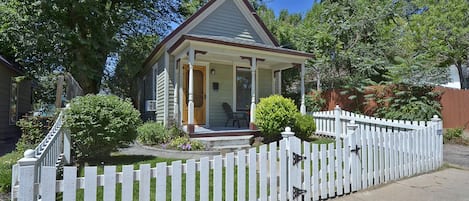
[
  {"x": 446, "y": 185},
  {"x": 456, "y": 155}
]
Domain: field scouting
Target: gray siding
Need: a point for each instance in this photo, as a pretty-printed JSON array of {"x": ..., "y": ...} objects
[
  {"x": 7, "y": 131},
  {"x": 265, "y": 82},
  {"x": 160, "y": 81},
  {"x": 224, "y": 77},
  {"x": 227, "y": 21},
  {"x": 171, "y": 88}
]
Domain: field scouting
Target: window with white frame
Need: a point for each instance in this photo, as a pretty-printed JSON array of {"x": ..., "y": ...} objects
[{"x": 243, "y": 88}]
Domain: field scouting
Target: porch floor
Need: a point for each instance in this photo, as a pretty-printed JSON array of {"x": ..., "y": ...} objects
[{"x": 201, "y": 131}]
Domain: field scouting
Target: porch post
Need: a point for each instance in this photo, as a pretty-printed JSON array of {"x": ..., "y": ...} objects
[
  {"x": 302, "y": 75},
  {"x": 190, "y": 115},
  {"x": 176, "y": 92},
  {"x": 253, "y": 93}
]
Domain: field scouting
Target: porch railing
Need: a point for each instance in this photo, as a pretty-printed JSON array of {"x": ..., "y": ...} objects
[{"x": 53, "y": 151}]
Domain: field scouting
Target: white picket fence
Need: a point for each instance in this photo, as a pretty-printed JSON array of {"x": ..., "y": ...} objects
[
  {"x": 332, "y": 123},
  {"x": 54, "y": 150},
  {"x": 287, "y": 170}
]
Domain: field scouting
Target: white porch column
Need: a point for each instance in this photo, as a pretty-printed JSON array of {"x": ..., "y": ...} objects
[
  {"x": 176, "y": 92},
  {"x": 190, "y": 108},
  {"x": 253, "y": 90},
  {"x": 302, "y": 75}
]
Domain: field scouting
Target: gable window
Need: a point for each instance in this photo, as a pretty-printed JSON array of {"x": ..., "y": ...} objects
[
  {"x": 243, "y": 88},
  {"x": 13, "y": 110}
]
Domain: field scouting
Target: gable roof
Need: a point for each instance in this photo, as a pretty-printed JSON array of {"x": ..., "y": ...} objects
[
  {"x": 196, "y": 15},
  {"x": 12, "y": 66},
  {"x": 237, "y": 43}
]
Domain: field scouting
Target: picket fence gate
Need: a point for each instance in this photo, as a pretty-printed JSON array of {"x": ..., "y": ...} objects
[{"x": 290, "y": 169}]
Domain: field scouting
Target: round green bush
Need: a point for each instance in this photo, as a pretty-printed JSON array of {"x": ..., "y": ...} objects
[
  {"x": 153, "y": 133},
  {"x": 304, "y": 126},
  {"x": 99, "y": 124},
  {"x": 273, "y": 114}
]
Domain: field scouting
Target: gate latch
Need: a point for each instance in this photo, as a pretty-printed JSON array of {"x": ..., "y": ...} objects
[
  {"x": 356, "y": 149},
  {"x": 297, "y": 158},
  {"x": 297, "y": 192}
]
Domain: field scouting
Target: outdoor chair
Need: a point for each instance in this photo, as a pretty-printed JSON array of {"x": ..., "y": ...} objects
[{"x": 234, "y": 116}]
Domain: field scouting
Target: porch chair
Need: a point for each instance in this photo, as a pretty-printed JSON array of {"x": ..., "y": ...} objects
[{"x": 234, "y": 116}]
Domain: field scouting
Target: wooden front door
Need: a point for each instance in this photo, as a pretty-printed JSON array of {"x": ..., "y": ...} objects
[{"x": 199, "y": 95}]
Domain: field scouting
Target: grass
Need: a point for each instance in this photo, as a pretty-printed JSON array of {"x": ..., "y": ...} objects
[{"x": 120, "y": 160}]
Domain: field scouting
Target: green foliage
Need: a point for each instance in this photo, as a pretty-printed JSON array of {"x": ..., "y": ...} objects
[
  {"x": 33, "y": 130},
  {"x": 273, "y": 114},
  {"x": 414, "y": 103},
  {"x": 131, "y": 58},
  {"x": 304, "y": 126},
  {"x": 453, "y": 135},
  {"x": 78, "y": 35},
  {"x": 101, "y": 123},
  {"x": 6, "y": 163},
  {"x": 184, "y": 143},
  {"x": 152, "y": 133},
  {"x": 314, "y": 102}
]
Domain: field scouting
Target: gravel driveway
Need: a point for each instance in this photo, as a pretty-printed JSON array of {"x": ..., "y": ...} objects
[{"x": 456, "y": 154}]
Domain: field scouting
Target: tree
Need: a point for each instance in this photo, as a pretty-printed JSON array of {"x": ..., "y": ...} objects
[
  {"x": 443, "y": 29},
  {"x": 131, "y": 57},
  {"x": 79, "y": 36}
]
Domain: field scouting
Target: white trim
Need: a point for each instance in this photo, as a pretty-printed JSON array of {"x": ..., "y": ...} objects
[
  {"x": 254, "y": 24},
  {"x": 195, "y": 22},
  {"x": 166, "y": 89},
  {"x": 207, "y": 95}
]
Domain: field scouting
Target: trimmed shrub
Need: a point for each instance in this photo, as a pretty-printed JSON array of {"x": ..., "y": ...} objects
[
  {"x": 184, "y": 143},
  {"x": 99, "y": 124},
  {"x": 273, "y": 114},
  {"x": 7, "y": 161},
  {"x": 152, "y": 133},
  {"x": 304, "y": 126}
]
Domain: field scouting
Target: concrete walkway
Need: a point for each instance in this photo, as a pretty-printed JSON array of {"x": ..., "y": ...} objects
[{"x": 446, "y": 185}]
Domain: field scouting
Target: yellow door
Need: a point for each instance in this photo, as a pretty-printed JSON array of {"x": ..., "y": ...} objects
[{"x": 199, "y": 95}]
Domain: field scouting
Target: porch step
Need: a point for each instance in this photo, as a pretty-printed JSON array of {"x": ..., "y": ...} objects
[{"x": 226, "y": 142}]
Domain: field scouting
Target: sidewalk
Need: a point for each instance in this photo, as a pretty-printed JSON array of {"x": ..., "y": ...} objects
[{"x": 449, "y": 184}]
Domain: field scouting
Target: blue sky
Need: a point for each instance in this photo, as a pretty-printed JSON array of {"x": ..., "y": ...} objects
[{"x": 293, "y": 6}]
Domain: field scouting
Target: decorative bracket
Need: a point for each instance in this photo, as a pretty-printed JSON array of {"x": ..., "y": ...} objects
[
  {"x": 297, "y": 158},
  {"x": 297, "y": 192}
]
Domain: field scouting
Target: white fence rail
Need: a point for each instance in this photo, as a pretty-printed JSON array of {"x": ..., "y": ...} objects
[
  {"x": 287, "y": 170},
  {"x": 332, "y": 123},
  {"x": 53, "y": 150}
]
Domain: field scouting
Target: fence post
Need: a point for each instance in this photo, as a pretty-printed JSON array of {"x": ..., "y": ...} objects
[
  {"x": 67, "y": 141},
  {"x": 286, "y": 135},
  {"x": 338, "y": 129},
  {"x": 27, "y": 176},
  {"x": 439, "y": 131}
]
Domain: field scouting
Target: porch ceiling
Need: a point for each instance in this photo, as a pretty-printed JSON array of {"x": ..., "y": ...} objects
[{"x": 230, "y": 52}]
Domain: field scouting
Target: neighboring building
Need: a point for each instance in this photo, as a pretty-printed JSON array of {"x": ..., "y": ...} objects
[
  {"x": 453, "y": 75},
  {"x": 210, "y": 59},
  {"x": 15, "y": 101}
]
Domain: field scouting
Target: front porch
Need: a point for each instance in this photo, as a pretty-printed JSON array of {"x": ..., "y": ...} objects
[{"x": 211, "y": 72}]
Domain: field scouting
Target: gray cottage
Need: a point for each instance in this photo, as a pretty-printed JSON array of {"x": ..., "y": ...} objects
[
  {"x": 214, "y": 67},
  {"x": 15, "y": 101}
]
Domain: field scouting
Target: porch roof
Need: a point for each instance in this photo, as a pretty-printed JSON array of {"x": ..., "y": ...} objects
[{"x": 240, "y": 43}]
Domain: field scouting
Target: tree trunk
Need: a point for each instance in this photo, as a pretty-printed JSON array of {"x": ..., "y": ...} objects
[{"x": 462, "y": 79}]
